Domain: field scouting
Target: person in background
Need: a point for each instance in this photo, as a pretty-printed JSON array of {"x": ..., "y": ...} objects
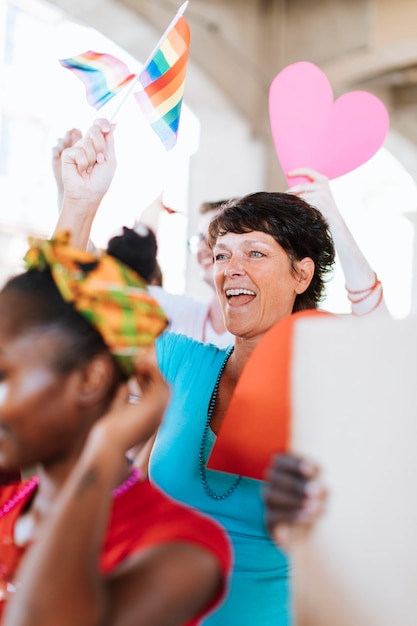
[
  {"x": 139, "y": 247},
  {"x": 87, "y": 539},
  {"x": 195, "y": 318}
]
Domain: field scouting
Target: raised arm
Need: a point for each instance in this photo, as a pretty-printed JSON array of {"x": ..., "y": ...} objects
[
  {"x": 364, "y": 290},
  {"x": 87, "y": 171}
]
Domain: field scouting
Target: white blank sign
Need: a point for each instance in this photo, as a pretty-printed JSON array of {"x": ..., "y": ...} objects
[{"x": 354, "y": 393}]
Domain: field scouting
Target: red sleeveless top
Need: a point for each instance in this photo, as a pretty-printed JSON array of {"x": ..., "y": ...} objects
[{"x": 141, "y": 517}]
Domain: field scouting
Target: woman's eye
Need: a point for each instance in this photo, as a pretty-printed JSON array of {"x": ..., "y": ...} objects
[
  {"x": 256, "y": 254},
  {"x": 219, "y": 257}
]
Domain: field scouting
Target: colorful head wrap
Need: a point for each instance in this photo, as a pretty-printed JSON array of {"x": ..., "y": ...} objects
[{"x": 110, "y": 295}]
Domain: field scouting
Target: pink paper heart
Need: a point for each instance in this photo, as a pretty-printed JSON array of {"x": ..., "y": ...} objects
[{"x": 311, "y": 129}]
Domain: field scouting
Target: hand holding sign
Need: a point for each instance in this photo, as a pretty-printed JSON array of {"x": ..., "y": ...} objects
[{"x": 311, "y": 129}]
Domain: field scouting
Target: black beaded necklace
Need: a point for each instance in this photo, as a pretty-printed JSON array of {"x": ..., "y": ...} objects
[{"x": 202, "y": 453}]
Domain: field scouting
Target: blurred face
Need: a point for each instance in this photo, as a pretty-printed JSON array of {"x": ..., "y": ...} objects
[
  {"x": 256, "y": 282},
  {"x": 39, "y": 420},
  {"x": 201, "y": 249}
]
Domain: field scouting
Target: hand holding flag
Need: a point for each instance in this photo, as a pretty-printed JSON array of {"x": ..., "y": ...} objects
[{"x": 162, "y": 79}]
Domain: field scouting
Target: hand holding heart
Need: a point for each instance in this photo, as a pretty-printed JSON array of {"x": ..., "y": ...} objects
[{"x": 311, "y": 129}]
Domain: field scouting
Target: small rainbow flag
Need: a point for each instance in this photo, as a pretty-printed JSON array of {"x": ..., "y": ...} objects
[
  {"x": 102, "y": 74},
  {"x": 163, "y": 80}
]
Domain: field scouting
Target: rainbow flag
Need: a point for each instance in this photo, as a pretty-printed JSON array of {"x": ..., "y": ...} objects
[
  {"x": 163, "y": 80},
  {"x": 102, "y": 74}
]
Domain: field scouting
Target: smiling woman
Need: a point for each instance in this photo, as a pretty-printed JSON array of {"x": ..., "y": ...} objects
[
  {"x": 292, "y": 233},
  {"x": 272, "y": 252}
]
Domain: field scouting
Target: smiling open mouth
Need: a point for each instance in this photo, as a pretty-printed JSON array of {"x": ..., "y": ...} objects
[
  {"x": 239, "y": 292},
  {"x": 239, "y": 296}
]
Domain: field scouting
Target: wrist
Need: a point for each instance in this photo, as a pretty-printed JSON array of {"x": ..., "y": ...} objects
[
  {"x": 84, "y": 206},
  {"x": 100, "y": 454}
]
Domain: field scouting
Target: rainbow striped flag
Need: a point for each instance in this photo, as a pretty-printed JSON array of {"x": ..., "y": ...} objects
[
  {"x": 163, "y": 80},
  {"x": 102, "y": 74}
]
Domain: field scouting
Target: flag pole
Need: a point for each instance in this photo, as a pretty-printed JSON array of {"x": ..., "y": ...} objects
[{"x": 134, "y": 80}]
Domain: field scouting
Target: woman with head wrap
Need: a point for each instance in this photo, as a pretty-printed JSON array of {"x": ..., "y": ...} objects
[{"x": 86, "y": 539}]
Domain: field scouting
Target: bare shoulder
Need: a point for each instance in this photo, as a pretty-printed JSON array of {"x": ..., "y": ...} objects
[{"x": 165, "y": 585}]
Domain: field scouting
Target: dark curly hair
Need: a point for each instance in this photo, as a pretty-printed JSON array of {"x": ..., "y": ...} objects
[
  {"x": 299, "y": 228},
  {"x": 138, "y": 247}
]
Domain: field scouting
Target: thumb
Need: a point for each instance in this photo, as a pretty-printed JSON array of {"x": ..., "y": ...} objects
[{"x": 282, "y": 534}]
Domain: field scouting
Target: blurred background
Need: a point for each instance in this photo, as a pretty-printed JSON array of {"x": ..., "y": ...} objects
[{"x": 225, "y": 144}]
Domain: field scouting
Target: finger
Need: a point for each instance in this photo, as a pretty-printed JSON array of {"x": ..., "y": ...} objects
[
  {"x": 76, "y": 157},
  {"x": 313, "y": 508},
  {"x": 104, "y": 125},
  {"x": 308, "y": 172},
  {"x": 74, "y": 135},
  {"x": 57, "y": 150},
  {"x": 98, "y": 142},
  {"x": 294, "y": 464},
  {"x": 302, "y": 189},
  {"x": 90, "y": 150},
  {"x": 283, "y": 504},
  {"x": 121, "y": 396},
  {"x": 148, "y": 374}
]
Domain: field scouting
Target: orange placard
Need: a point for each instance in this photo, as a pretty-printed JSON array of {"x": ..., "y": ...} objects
[{"x": 257, "y": 421}]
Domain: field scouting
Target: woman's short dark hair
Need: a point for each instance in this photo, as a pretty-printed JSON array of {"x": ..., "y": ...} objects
[{"x": 299, "y": 228}]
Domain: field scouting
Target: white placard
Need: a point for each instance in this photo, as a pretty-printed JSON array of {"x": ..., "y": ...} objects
[{"x": 355, "y": 412}]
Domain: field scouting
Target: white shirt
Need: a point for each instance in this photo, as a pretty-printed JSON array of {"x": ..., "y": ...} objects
[{"x": 189, "y": 317}]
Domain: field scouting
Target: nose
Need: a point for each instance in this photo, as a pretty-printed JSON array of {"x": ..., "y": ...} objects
[{"x": 235, "y": 266}]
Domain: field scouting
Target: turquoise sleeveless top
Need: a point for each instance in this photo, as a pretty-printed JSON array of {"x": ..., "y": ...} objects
[{"x": 259, "y": 585}]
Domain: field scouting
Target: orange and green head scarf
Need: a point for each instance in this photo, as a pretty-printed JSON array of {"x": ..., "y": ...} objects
[{"x": 110, "y": 295}]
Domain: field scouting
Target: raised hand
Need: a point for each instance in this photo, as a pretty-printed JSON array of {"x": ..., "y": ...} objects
[
  {"x": 131, "y": 423},
  {"x": 88, "y": 166},
  {"x": 316, "y": 192}
]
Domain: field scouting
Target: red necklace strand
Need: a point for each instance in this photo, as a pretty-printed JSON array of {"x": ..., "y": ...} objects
[{"x": 133, "y": 478}]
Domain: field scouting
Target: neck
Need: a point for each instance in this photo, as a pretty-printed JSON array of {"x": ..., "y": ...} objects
[
  {"x": 240, "y": 356},
  {"x": 51, "y": 479}
]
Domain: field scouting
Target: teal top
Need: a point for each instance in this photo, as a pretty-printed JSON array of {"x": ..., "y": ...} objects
[{"x": 259, "y": 586}]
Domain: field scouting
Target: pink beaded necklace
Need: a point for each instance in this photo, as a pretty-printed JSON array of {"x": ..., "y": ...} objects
[{"x": 135, "y": 475}]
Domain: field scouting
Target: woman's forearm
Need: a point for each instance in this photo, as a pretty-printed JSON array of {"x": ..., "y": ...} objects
[
  {"x": 77, "y": 217},
  {"x": 363, "y": 287}
]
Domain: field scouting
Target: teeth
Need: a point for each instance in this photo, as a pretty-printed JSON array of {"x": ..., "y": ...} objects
[{"x": 239, "y": 292}]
